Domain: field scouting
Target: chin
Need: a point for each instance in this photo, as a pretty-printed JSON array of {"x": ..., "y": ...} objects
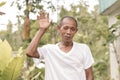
[{"x": 68, "y": 41}]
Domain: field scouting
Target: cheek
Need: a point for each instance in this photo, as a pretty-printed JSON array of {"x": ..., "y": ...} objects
[
  {"x": 62, "y": 32},
  {"x": 73, "y": 34}
]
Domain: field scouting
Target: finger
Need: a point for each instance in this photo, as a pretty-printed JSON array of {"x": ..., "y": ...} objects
[
  {"x": 50, "y": 21},
  {"x": 47, "y": 15},
  {"x": 42, "y": 15}
]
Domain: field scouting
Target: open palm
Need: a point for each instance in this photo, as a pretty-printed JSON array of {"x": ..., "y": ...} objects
[{"x": 44, "y": 22}]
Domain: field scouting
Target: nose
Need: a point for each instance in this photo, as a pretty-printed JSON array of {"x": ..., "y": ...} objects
[{"x": 68, "y": 31}]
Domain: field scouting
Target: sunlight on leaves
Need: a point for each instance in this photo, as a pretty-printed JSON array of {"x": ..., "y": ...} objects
[{"x": 6, "y": 53}]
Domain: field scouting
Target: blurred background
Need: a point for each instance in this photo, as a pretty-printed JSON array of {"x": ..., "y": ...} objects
[{"x": 98, "y": 24}]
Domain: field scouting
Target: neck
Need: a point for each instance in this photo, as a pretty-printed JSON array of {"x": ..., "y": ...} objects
[
  {"x": 67, "y": 44},
  {"x": 66, "y": 47}
]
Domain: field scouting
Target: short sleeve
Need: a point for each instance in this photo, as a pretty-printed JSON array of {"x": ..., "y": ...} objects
[
  {"x": 38, "y": 63},
  {"x": 88, "y": 58},
  {"x": 41, "y": 51}
]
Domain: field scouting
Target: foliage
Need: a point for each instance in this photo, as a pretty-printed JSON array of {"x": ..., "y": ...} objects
[
  {"x": 2, "y": 3},
  {"x": 13, "y": 38},
  {"x": 37, "y": 74},
  {"x": 101, "y": 68},
  {"x": 13, "y": 70},
  {"x": 93, "y": 30},
  {"x": 11, "y": 64},
  {"x": 33, "y": 6},
  {"x": 5, "y": 50},
  {"x": 115, "y": 28},
  {"x": 31, "y": 72}
]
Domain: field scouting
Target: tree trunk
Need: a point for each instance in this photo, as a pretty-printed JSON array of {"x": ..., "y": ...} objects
[{"x": 26, "y": 29}]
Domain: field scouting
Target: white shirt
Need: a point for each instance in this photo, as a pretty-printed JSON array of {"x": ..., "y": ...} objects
[{"x": 66, "y": 66}]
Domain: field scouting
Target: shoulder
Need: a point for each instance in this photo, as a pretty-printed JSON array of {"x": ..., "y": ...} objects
[
  {"x": 82, "y": 45},
  {"x": 48, "y": 45}
]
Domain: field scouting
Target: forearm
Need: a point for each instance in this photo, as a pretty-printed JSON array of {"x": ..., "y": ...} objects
[
  {"x": 32, "y": 48},
  {"x": 43, "y": 25},
  {"x": 89, "y": 78},
  {"x": 89, "y": 74}
]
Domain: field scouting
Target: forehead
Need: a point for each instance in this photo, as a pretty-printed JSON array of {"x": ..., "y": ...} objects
[{"x": 69, "y": 21}]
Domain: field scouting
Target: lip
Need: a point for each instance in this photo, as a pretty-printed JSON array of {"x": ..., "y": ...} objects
[{"x": 67, "y": 37}]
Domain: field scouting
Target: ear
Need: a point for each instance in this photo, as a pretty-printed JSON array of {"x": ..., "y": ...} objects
[
  {"x": 77, "y": 30},
  {"x": 58, "y": 28}
]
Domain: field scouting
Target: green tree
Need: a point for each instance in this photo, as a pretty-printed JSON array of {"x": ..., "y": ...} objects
[{"x": 93, "y": 30}]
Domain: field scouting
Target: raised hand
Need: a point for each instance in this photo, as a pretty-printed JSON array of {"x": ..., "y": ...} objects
[{"x": 44, "y": 21}]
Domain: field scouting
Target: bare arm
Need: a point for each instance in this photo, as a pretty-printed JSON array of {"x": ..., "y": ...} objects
[
  {"x": 89, "y": 74},
  {"x": 44, "y": 24}
]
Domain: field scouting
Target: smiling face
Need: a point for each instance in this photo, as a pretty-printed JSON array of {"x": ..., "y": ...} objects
[{"x": 68, "y": 28}]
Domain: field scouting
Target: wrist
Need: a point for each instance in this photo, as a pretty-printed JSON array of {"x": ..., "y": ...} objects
[{"x": 43, "y": 29}]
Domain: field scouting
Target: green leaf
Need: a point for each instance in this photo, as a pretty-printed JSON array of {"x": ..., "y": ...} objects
[
  {"x": 20, "y": 51},
  {"x": 13, "y": 70},
  {"x": 5, "y": 54},
  {"x": 2, "y": 3},
  {"x": 0, "y": 40}
]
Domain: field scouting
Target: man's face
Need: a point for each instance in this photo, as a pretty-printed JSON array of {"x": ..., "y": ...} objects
[{"x": 68, "y": 29}]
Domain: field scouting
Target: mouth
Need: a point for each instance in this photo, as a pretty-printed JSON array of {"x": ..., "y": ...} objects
[{"x": 67, "y": 37}]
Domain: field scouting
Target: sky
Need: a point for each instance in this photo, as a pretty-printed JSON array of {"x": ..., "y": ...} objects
[{"x": 10, "y": 12}]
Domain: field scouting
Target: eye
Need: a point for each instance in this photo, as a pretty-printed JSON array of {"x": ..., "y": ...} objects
[
  {"x": 65, "y": 28},
  {"x": 73, "y": 29}
]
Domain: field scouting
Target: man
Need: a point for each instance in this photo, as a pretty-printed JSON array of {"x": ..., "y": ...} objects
[{"x": 66, "y": 60}]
